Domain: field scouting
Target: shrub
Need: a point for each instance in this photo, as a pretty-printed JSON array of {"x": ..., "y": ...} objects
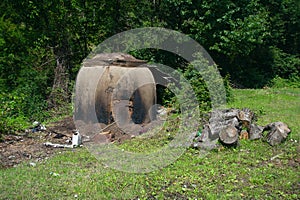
[
  {"x": 200, "y": 88},
  {"x": 278, "y": 82},
  {"x": 17, "y": 109},
  {"x": 11, "y": 114},
  {"x": 285, "y": 65}
]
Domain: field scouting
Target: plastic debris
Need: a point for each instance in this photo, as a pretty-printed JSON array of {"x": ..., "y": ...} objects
[
  {"x": 54, "y": 174},
  {"x": 198, "y": 133},
  {"x": 49, "y": 144},
  {"x": 37, "y": 126},
  {"x": 76, "y": 139},
  {"x": 11, "y": 157}
]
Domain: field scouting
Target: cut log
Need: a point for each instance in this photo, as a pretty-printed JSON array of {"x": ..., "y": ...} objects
[
  {"x": 230, "y": 125},
  {"x": 231, "y": 113},
  {"x": 244, "y": 135},
  {"x": 246, "y": 116},
  {"x": 234, "y": 122},
  {"x": 278, "y": 132},
  {"x": 206, "y": 140},
  {"x": 255, "y": 132},
  {"x": 229, "y": 135}
]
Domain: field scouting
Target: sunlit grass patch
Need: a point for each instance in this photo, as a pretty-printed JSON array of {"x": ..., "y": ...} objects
[{"x": 252, "y": 170}]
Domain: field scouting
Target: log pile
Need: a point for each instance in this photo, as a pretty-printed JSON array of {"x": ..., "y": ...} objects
[{"x": 228, "y": 126}]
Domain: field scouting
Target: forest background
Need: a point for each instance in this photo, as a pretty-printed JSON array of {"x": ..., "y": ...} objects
[{"x": 255, "y": 44}]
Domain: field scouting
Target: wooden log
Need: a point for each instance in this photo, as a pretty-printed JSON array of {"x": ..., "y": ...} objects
[
  {"x": 246, "y": 116},
  {"x": 229, "y": 135},
  {"x": 105, "y": 133},
  {"x": 255, "y": 132},
  {"x": 278, "y": 132},
  {"x": 244, "y": 135}
]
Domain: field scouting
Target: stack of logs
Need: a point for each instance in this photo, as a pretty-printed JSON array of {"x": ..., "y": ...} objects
[{"x": 230, "y": 125}]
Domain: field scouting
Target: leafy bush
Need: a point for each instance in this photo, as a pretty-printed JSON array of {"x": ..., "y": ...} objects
[
  {"x": 278, "y": 82},
  {"x": 11, "y": 113},
  {"x": 204, "y": 88},
  {"x": 18, "y": 108},
  {"x": 200, "y": 87},
  {"x": 285, "y": 65},
  {"x": 228, "y": 89}
]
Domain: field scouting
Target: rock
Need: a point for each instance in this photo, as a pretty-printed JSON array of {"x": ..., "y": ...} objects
[
  {"x": 206, "y": 134},
  {"x": 214, "y": 130},
  {"x": 222, "y": 118},
  {"x": 278, "y": 132},
  {"x": 207, "y": 145}
]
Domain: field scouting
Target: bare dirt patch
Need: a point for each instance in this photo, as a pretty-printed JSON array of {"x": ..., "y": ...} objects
[{"x": 30, "y": 147}]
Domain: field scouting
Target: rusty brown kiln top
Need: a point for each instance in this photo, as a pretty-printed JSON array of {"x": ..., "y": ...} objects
[{"x": 118, "y": 59}]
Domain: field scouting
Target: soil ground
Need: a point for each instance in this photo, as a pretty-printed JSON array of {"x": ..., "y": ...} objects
[{"x": 30, "y": 147}]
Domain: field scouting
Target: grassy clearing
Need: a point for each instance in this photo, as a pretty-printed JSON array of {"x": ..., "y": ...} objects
[{"x": 249, "y": 171}]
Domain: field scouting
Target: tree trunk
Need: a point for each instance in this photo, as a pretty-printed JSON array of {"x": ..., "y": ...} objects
[{"x": 59, "y": 94}]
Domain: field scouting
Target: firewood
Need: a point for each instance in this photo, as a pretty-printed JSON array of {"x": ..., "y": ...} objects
[{"x": 229, "y": 135}]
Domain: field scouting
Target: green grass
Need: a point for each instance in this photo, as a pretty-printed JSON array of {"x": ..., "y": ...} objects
[
  {"x": 272, "y": 105},
  {"x": 243, "y": 172}
]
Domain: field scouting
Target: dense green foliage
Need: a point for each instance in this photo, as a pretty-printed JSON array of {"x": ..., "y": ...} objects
[{"x": 252, "y": 40}]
